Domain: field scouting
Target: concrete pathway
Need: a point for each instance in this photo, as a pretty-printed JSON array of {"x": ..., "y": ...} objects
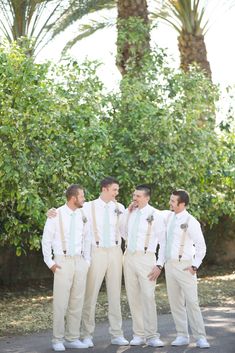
[{"x": 220, "y": 326}]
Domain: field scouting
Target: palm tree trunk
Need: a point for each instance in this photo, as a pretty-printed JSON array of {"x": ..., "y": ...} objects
[
  {"x": 133, "y": 40},
  {"x": 193, "y": 50}
]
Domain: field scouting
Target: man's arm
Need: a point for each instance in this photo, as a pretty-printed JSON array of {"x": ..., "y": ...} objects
[{"x": 47, "y": 239}]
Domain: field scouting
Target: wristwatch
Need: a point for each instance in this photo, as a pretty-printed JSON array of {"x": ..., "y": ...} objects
[
  {"x": 194, "y": 268},
  {"x": 160, "y": 267}
]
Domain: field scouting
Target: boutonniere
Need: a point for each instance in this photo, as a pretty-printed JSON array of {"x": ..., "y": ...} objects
[
  {"x": 150, "y": 219},
  {"x": 184, "y": 226},
  {"x": 117, "y": 211},
  {"x": 84, "y": 219}
]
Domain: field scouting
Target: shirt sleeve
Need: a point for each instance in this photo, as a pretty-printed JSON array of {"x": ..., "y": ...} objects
[
  {"x": 47, "y": 240},
  {"x": 123, "y": 223},
  {"x": 160, "y": 229},
  {"x": 195, "y": 233}
]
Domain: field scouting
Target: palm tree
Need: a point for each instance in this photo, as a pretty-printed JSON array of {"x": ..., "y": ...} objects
[
  {"x": 189, "y": 20},
  {"x": 133, "y": 40},
  {"x": 33, "y": 23}
]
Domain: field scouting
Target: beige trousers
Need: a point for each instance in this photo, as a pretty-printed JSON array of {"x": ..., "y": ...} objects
[
  {"x": 141, "y": 293},
  {"x": 105, "y": 263},
  {"x": 68, "y": 296},
  {"x": 183, "y": 299}
]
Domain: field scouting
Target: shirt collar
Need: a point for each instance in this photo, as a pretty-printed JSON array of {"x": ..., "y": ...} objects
[
  {"x": 105, "y": 203},
  {"x": 181, "y": 214},
  {"x": 69, "y": 211},
  {"x": 145, "y": 209}
]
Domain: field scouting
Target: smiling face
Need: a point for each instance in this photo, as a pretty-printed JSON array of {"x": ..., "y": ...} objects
[
  {"x": 175, "y": 205},
  {"x": 110, "y": 192},
  {"x": 79, "y": 199},
  {"x": 140, "y": 199}
]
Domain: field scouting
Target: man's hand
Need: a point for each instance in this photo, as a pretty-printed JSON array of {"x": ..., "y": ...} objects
[
  {"x": 190, "y": 269},
  {"x": 154, "y": 274},
  {"x": 51, "y": 213},
  {"x": 54, "y": 267},
  {"x": 132, "y": 206}
]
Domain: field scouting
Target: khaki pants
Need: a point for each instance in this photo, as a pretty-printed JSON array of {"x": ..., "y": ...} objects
[
  {"x": 183, "y": 299},
  {"x": 68, "y": 297},
  {"x": 105, "y": 263},
  {"x": 141, "y": 293}
]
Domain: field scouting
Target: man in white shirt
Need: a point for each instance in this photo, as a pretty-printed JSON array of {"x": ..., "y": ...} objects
[
  {"x": 143, "y": 227},
  {"x": 68, "y": 236},
  {"x": 104, "y": 216},
  {"x": 185, "y": 250}
]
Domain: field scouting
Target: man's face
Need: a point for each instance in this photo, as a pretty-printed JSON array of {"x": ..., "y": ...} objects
[
  {"x": 175, "y": 206},
  {"x": 111, "y": 191},
  {"x": 79, "y": 199},
  {"x": 140, "y": 199}
]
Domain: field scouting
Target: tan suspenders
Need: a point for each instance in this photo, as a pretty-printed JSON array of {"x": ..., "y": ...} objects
[
  {"x": 84, "y": 220},
  {"x": 118, "y": 212},
  {"x": 184, "y": 228},
  {"x": 95, "y": 228},
  {"x": 62, "y": 233},
  {"x": 150, "y": 220}
]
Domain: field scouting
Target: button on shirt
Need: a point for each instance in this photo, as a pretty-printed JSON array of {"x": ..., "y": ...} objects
[
  {"x": 99, "y": 215},
  {"x": 194, "y": 246},
  {"x": 51, "y": 239},
  {"x": 157, "y": 235}
]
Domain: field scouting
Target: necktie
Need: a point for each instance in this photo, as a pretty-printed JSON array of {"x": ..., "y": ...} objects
[
  {"x": 134, "y": 232},
  {"x": 170, "y": 237},
  {"x": 106, "y": 227},
  {"x": 72, "y": 235}
]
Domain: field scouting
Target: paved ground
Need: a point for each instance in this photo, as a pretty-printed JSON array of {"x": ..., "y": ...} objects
[{"x": 220, "y": 324}]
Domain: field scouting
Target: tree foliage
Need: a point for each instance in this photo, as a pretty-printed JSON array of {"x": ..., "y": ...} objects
[
  {"x": 51, "y": 135},
  {"x": 57, "y": 127}
]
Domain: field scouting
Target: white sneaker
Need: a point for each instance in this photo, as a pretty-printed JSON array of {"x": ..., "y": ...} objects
[
  {"x": 58, "y": 347},
  {"x": 75, "y": 344},
  {"x": 137, "y": 341},
  {"x": 155, "y": 342},
  {"x": 202, "y": 343},
  {"x": 119, "y": 341},
  {"x": 88, "y": 341},
  {"x": 180, "y": 341}
]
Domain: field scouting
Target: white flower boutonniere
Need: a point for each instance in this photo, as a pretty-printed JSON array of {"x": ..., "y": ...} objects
[
  {"x": 117, "y": 211},
  {"x": 150, "y": 219},
  {"x": 84, "y": 219},
  {"x": 184, "y": 226}
]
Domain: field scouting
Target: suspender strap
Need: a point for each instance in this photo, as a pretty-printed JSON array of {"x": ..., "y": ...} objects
[
  {"x": 84, "y": 220},
  {"x": 126, "y": 228},
  {"x": 150, "y": 220},
  {"x": 183, "y": 237},
  {"x": 95, "y": 229},
  {"x": 118, "y": 212},
  {"x": 62, "y": 233}
]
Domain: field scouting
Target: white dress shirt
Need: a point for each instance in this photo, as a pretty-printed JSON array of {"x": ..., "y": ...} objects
[
  {"x": 99, "y": 215},
  {"x": 157, "y": 235},
  {"x": 194, "y": 246},
  {"x": 51, "y": 239}
]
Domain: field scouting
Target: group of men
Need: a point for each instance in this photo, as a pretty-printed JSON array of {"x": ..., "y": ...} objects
[{"x": 81, "y": 244}]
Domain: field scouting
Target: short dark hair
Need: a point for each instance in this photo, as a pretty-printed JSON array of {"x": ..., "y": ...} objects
[
  {"x": 183, "y": 196},
  {"x": 144, "y": 187},
  {"x": 72, "y": 191},
  {"x": 108, "y": 181}
]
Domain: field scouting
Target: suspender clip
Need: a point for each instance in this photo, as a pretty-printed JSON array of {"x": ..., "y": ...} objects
[
  {"x": 97, "y": 243},
  {"x": 116, "y": 242}
]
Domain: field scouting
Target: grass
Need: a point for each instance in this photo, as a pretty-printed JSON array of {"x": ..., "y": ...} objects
[{"x": 23, "y": 312}]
